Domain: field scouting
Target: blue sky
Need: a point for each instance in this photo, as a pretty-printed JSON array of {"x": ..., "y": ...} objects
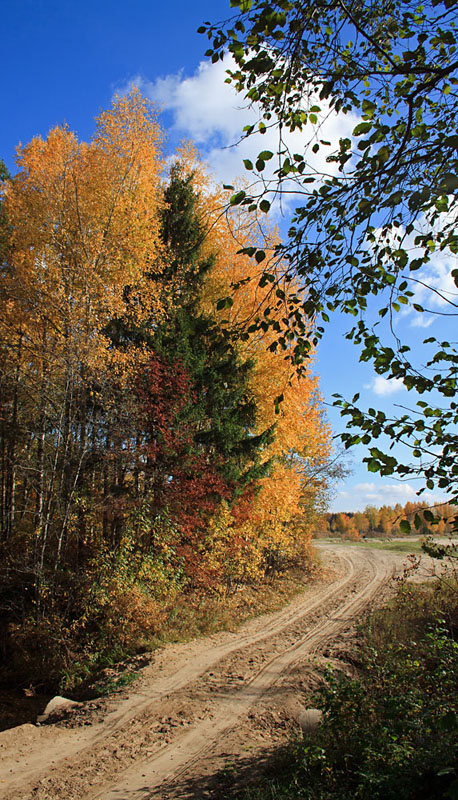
[{"x": 63, "y": 61}]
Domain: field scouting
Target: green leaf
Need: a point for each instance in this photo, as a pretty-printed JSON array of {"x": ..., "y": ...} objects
[
  {"x": 373, "y": 465},
  {"x": 224, "y": 302},
  {"x": 404, "y": 526},
  {"x": 449, "y": 183},
  {"x": 277, "y": 402},
  {"x": 363, "y": 127},
  {"x": 237, "y": 198},
  {"x": 245, "y": 5},
  {"x": 354, "y": 236}
]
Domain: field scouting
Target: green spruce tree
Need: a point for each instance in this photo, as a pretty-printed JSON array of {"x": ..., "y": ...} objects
[{"x": 223, "y": 415}]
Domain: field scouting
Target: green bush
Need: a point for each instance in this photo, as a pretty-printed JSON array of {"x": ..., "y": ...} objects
[{"x": 392, "y": 732}]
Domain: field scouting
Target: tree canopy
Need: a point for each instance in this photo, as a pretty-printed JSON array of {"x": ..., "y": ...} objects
[
  {"x": 376, "y": 209},
  {"x": 140, "y": 453}
]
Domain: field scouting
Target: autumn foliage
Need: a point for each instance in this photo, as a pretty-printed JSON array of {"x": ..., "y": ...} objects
[
  {"x": 142, "y": 452},
  {"x": 387, "y": 521}
]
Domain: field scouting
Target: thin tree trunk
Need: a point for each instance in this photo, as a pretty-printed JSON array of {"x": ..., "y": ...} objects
[{"x": 10, "y": 490}]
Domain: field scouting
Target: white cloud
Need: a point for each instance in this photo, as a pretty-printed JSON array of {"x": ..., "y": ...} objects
[
  {"x": 357, "y": 497},
  {"x": 210, "y": 112},
  {"x": 372, "y": 490},
  {"x": 420, "y": 320},
  {"x": 436, "y": 292},
  {"x": 383, "y": 387},
  {"x": 203, "y": 105},
  {"x": 433, "y": 285},
  {"x": 440, "y": 289}
]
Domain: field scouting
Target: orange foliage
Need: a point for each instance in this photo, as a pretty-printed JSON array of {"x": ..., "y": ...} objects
[
  {"x": 84, "y": 223},
  {"x": 386, "y": 521},
  {"x": 302, "y": 435}
]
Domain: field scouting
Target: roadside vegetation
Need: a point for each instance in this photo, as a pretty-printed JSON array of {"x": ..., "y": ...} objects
[{"x": 391, "y": 730}]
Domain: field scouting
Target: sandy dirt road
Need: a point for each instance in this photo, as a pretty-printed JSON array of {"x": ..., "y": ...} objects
[{"x": 203, "y": 708}]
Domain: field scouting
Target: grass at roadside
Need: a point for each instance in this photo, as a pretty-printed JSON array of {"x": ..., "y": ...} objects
[
  {"x": 399, "y": 546},
  {"x": 392, "y": 731},
  {"x": 196, "y": 615}
]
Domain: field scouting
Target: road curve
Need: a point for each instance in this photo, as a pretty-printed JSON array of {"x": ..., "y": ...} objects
[{"x": 191, "y": 697}]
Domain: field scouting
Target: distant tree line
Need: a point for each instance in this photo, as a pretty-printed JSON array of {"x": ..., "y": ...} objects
[{"x": 388, "y": 521}]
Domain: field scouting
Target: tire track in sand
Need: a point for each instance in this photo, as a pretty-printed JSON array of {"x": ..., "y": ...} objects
[{"x": 185, "y": 753}]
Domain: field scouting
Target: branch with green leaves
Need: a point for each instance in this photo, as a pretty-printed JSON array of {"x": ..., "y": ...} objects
[{"x": 369, "y": 225}]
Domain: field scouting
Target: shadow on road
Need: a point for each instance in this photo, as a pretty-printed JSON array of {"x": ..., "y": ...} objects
[{"x": 225, "y": 780}]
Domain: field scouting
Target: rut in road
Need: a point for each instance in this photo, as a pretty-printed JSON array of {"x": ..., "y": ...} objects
[
  {"x": 189, "y": 749},
  {"x": 166, "y": 729}
]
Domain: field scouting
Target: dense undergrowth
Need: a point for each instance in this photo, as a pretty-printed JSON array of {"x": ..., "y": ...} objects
[
  {"x": 74, "y": 660},
  {"x": 392, "y": 731}
]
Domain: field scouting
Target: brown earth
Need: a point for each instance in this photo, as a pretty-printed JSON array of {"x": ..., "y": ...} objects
[{"x": 207, "y": 713}]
